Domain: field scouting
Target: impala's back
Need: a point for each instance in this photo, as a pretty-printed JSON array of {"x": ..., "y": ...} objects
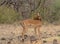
[
  {"x": 35, "y": 21},
  {"x": 30, "y": 22}
]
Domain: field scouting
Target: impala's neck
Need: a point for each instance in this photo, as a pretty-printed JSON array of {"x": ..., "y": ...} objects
[{"x": 37, "y": 17}]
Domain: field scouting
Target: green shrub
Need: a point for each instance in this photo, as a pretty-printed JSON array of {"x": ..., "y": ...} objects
[{"x": 8, "y": 15}]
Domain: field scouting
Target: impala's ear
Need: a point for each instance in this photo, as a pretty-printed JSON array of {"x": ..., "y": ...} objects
[
  {"x": 39, "y": 17},
  {"x": 38, "y": 14}
]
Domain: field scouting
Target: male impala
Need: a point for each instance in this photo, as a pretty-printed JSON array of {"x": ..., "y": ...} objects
[{"x": 35, "y": 22}]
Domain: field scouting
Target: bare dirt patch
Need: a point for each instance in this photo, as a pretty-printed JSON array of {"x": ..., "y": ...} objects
[{"x": 11, "y": 34}]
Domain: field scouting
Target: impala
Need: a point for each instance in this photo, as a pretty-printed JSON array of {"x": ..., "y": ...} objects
[{"x": 36, "y": 22}]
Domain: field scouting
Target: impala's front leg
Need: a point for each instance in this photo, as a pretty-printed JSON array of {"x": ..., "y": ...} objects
[{"x": 36, "y": 31}]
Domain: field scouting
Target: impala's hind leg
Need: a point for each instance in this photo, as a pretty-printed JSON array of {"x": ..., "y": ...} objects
[
  {"x": 23, "y": 32},
  {"x": 37, "y": 31},
  {"x": 24, "y": 29}
]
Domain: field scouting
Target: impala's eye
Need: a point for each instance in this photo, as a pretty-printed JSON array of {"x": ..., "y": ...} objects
[{"x": 40, "y": 19}]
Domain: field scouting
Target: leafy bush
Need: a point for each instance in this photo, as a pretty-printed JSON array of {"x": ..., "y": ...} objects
[{"x": 8, "y": 15}]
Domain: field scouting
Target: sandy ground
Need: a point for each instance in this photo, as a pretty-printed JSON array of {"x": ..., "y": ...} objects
[{"x": 11, "y": 34}]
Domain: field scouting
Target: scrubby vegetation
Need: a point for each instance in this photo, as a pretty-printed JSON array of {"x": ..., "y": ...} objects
[
  {"x": 8, "y": 15},
  {"x": 48, "y": 9}
]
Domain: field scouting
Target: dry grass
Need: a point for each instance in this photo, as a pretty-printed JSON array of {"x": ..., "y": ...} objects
[{"x": 14, "y": 31}]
